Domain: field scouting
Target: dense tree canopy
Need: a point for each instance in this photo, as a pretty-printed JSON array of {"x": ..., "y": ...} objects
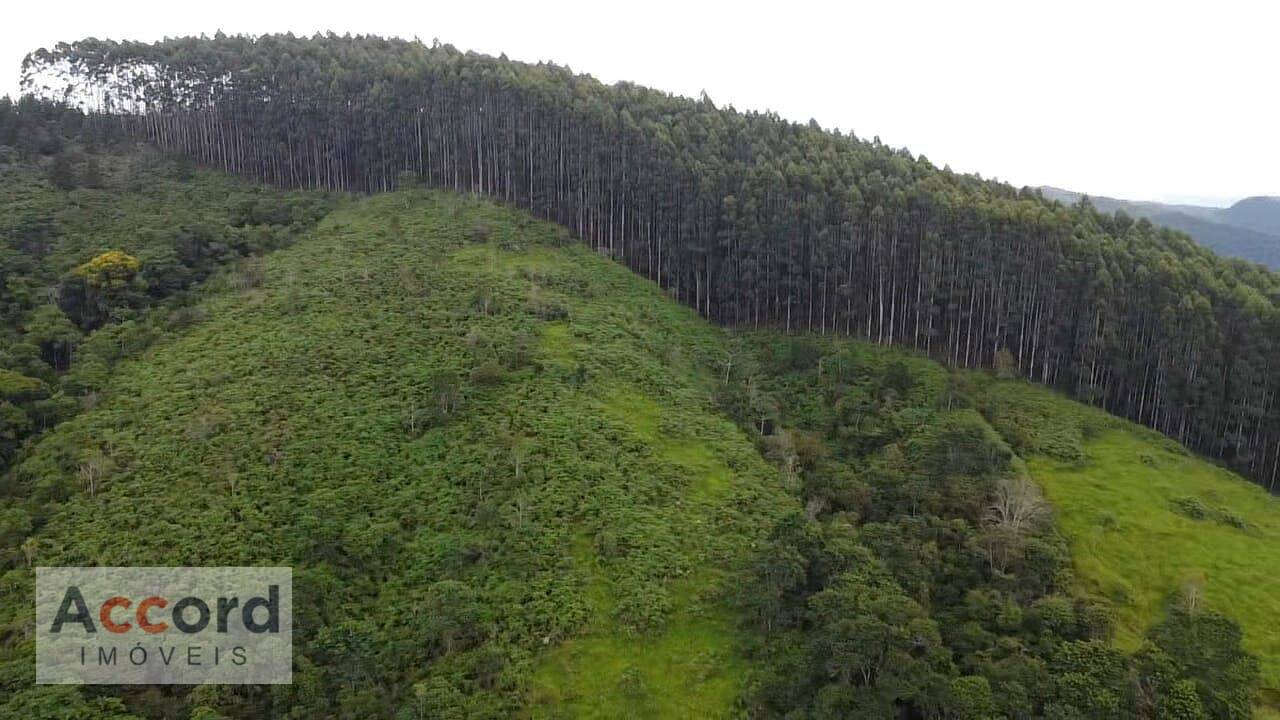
[
  {"x": 925, "y": 577},
  {"x": 746, "y": 217}
]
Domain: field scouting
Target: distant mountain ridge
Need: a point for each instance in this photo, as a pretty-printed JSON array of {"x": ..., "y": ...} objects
[
  {"x": 1255, "y": 213},
  {"x": 1249, "y": 229}
]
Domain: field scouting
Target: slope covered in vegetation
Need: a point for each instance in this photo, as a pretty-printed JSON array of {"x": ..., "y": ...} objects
[
  {"x": 514, "y": 479},
  {"x": 747, "y": 218},
  {"x": 1146, "y": 519},
  {"x": 924, "y": 468},
  {"x": 471, "y": 446},
  {"x": 103, "y": 246}
]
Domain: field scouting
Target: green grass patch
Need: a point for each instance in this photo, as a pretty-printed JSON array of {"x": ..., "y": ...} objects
[
  {"x": 687, "y": 667},
  {"x": 1133, "y": 545},
  {"x": 557, "y": 343},
  {"x": 691, "y": 670}
]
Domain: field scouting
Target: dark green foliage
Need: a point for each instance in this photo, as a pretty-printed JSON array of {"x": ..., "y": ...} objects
[
  {"x": 489, "y": 373},
  {"x": 1196, "y": 509},
  {"x": 926, "y": 577},
  {"x": 1192, "y": 508},
  {"x": 1200, "y": 649},
  {"x": 875, "y": 648},
  {"x": 779, "y": 575},
  {"x": 61, "y": 173},
  {"x": 749, "y": 219},
  {"x": 120, "y": 252}
]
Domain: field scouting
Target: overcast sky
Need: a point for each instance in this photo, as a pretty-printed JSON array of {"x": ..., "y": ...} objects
[{"x": 1169, "y": 101}]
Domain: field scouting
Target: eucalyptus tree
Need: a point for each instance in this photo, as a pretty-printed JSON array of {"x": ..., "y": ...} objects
[{"x": 750, "y": 219}]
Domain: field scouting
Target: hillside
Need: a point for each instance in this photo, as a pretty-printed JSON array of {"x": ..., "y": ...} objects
[
  {"x": 1153, "y": 532},
  {"x": 399, "y": 412},
  {"x": 103, "y": 248},
  {"x": 433, "y": 407},
  {"x": 750, "y": 220},
  {"x": 514, "y": 479},
  {"x": 1146, "y": 519},
  {"x": 1249, "y": 229}
]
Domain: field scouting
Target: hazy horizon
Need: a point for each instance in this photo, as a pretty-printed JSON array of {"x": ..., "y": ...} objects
[
  {"x": 1025, "y": 95},
  {"x": 1201, "y": 201}
]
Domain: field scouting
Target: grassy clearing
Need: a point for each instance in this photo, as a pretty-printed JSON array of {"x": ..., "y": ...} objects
[
  {"x": 557, "y": 343},
  {"x": 690, "y": 667},
  {"x": 1129, "y": 506},
  {"x": 691, "y": 670}
]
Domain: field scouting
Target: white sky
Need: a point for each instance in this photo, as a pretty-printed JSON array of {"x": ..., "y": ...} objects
[{"x": 1172, "y": 101}]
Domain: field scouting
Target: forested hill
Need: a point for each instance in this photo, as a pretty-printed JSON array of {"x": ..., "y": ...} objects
[
  {"x": 750, "y": 219},
  {"x": 515, "y": 480}
]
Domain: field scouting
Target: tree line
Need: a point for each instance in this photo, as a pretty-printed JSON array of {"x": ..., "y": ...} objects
[{"x": 748, "y": 218}]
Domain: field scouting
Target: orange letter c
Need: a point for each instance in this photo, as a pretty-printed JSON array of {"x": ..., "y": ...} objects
[
  {"x": 105, "y": 614},
  {"x": 146, "y": 605}
]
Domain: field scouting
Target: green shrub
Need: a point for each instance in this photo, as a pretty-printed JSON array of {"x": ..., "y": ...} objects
[
  {"x": 1191, "y": 507},
  {"x": 489, "y": 373}
]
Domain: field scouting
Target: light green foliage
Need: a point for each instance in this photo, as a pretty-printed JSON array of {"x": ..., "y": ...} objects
[
  {"x": 110, "y": 270},
  {"x": 1146, "y": 521},
  {"x": 568, "y": 529},
  {"x": 16, "y": 386},
  {"x": 973, "y": 699}
]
